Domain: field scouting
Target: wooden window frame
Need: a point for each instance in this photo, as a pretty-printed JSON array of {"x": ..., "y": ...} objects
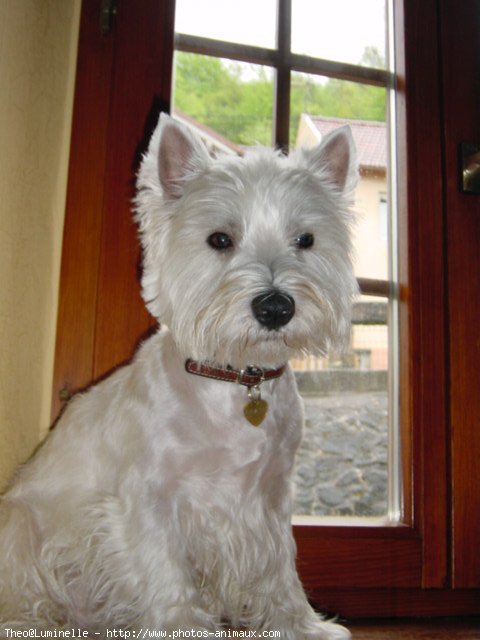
[{"x": 419, "y": 566}]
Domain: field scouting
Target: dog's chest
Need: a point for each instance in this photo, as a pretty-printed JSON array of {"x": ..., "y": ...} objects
[
  {"x": 215, "y": 445},
  {"x": 234, "y": 493},
  {"x": 237, "y": 530}
]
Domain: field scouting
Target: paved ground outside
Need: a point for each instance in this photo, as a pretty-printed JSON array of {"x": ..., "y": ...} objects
[{"x": 341, "y": 465}]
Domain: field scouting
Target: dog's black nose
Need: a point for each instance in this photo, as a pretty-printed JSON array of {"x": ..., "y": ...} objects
[{"x": 273, "y": 309}]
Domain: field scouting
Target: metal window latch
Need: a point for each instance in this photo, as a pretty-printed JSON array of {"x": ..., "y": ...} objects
[
  {"x": 65, "y": 394},
  {"x": 108, "y": 11},
  {"x": 470, "y": 167}
]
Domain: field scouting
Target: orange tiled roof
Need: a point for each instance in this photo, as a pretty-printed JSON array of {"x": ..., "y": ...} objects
[{"x": 370, "y": 139}]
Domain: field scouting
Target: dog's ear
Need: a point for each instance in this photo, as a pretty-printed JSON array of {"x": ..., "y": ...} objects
[
  {"x": 335, "y": 157},
  {"x": 180, "y": 155}
]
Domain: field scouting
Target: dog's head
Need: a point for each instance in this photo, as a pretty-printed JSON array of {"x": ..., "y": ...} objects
[{"x": 247, "y": 260}]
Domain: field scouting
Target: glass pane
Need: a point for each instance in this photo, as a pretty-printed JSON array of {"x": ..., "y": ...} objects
[
  {"x": 351, "y": 31},
  {"x": 246, "y": 22},
  {"x": 342, "y": 465},
  {"x": 229, "y": 103},
  {"x": 319, "y": 105}
]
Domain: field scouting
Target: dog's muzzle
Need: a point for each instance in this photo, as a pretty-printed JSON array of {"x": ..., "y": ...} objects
[{"x": 273, "y": 309}]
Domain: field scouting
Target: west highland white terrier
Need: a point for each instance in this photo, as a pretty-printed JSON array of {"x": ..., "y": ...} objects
[{"x": 162, "y": 498}]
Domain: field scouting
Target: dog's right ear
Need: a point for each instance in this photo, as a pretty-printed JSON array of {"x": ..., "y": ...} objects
[{"x": 181, "y": 154}]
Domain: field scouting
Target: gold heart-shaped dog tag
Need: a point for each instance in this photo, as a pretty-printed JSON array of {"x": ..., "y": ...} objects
[{"x": 255, "y": 411}]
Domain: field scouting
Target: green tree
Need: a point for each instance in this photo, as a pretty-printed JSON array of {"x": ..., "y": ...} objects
[
  {"x": 372, "y": 57},
  {"x": 237, "y": 99},
  {"x": 216, "y": 93}
]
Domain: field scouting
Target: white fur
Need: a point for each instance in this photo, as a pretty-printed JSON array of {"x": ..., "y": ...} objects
[{"x": 154, "y": 503}]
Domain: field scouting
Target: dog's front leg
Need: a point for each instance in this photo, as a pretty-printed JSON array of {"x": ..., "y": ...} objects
[
  {"x": 288, "y": 610},
  {"x": 296, "y": 620},
  {"x": 294, "y": 617},
  {"x": 178, "y": 612},
  {"x": 175, "y": 604}
]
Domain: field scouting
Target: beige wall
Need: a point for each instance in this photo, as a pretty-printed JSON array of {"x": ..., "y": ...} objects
[
  {"x": 38, "y": 42},
  {"x": 371, "y": 249}
]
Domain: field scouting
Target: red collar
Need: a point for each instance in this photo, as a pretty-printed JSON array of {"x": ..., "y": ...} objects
[{"x": 250, "y": 377}]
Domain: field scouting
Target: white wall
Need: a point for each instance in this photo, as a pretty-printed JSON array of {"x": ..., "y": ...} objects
[{"x": 38, "y": 44}]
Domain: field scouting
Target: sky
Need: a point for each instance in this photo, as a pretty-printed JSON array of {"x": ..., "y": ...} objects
[{"x": 334, "y": 29}]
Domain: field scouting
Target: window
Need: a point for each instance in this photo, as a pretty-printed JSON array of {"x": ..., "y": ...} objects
[{"x": 295, "y": 75}]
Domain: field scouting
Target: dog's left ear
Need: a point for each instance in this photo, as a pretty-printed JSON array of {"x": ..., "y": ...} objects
[
  {"x": 180, "y": 155},
  {"x": 335, "y": 157}
]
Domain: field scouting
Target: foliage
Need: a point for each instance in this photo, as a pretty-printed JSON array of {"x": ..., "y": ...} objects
[{"x": 237, "y": 99}]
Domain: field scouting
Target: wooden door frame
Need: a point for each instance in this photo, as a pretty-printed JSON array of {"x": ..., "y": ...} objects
[
  {"x": 460, "y": 32},
  {"x": 114, "y": 114},
  {"x": 403, "y": 569}
]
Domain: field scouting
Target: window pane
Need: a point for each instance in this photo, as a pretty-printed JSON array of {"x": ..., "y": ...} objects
[
  {"x": 229, "y": 103},
  {"x": 345, "y": 459},
  {"x": 343, "y": 462},
  {"x": 246, "y": 22},
  {"x": 350, "y": 31},
  {"x": 319, "y": 105}
]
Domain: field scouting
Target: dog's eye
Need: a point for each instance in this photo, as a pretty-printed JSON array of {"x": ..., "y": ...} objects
[
  {"x": 304, "y": 240},
  {"x": 220, "y": 241}
]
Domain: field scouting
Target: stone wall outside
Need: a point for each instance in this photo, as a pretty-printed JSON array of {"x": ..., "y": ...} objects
[{"x": 342, "y": 463}]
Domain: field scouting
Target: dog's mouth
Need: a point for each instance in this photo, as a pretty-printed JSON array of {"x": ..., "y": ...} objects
[
  {"x": 274, "y": 336},
  {"x": 271, "y": 337}
]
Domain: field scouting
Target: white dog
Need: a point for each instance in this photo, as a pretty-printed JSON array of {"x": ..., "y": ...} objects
[{"x": 162, "y": 498}]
